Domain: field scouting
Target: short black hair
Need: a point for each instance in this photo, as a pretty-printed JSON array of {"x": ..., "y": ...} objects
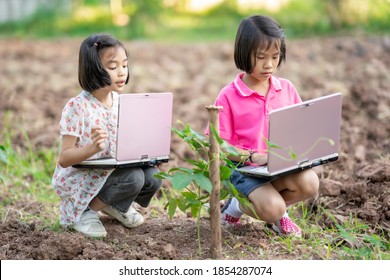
[
  {"x": 92, "y": 74},
  {"x": 254, "y": 33}
]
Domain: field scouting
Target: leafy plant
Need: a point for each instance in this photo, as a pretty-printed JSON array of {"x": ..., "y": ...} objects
[{"x": 193, "y": 184}]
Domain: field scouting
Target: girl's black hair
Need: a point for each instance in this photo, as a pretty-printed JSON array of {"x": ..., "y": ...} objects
[
  {"x": 92, "y": 74},
  {"x": 254, "y": 33}
]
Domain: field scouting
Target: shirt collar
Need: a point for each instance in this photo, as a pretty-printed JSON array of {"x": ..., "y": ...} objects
[{"x": 244, "y": 90}]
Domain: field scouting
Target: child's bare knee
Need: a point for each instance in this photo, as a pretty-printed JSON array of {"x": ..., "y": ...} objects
[
  {"x": 273, "y": 210},
  {"x": 310, "y": 183}
]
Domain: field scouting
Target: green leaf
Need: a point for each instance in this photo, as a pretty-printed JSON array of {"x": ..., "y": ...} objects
[
  {"x": 181, "y": 180},
  {"x": 231, "y": 188},
  {"x": 3, "y": 154},
  {"x": 182, "y": 204},
  {"x": 230, "y": 149},
  {"x": 163, "y": 175},
  {"x": 195, "y": 209},
  {"x": 189, "y": 196},
  {"x": 292, "y": 154},
  {"x": 203, "y": 182},
  {"x": 230, "y": 164},
  {"x": 182, "y": 169},
  {"x": 172, "y": 207},
  {"x": 223, "y": 194},
  {"x": 225, "y": 172},
  {"x": 215, "y": 134},
  {"x": 181, "y": 133},
  {"x": 195, "y": 144},
  {"x": 201, "y": 164},
  {"x": 197, "y": 135},
  {"x": 271, "y": 145}
]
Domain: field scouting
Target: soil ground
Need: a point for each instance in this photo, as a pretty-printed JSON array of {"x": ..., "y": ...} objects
[{"x": 39, "y": 76}]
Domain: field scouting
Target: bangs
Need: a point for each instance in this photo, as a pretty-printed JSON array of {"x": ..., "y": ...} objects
[{"x": 268, "y": 42}]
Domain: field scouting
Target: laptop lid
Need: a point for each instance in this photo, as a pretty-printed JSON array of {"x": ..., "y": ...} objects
[
  {"x": 143, "y": 132},
  {"x": 144, "y": 126},
  {"x": 307, "y": 133}
]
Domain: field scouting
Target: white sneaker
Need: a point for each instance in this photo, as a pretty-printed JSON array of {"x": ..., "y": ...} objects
[
  {"x": 90, "y": 225},
  {"x": 131, "y": 219}
]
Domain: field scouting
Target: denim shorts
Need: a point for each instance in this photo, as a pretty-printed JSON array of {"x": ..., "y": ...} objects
[{"x": 246, "y": 184}]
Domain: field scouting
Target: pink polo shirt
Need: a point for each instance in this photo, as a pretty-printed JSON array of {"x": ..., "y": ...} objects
[{"x": 243, "y": 121}]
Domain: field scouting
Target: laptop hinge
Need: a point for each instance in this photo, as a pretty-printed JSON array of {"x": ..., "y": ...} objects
[
  {"x": 332, "y": 157},
  {"x": 305, "y": 163}
]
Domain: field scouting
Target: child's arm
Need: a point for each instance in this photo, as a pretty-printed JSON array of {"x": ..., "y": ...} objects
[
  {"x": 70, "y": 154},
  {"x": 247, "y": 156}
]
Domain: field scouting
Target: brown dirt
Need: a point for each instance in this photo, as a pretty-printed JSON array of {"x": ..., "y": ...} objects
[{"x": 38, "y": 77}]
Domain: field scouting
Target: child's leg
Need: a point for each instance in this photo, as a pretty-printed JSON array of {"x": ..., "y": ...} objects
[
  {"x": 246, "y": 185},
  {"x": 122, "y": 188},
  {"x": 267, "y": 202},
  {"x": 298, "y": 186},
  {"x": 125, "y": 186},
  {"x": 151, "y": 186},
  {"x": 294, "y": 188}
]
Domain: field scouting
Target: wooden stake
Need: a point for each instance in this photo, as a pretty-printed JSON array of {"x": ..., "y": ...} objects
[{"x": 214, "y": 175}]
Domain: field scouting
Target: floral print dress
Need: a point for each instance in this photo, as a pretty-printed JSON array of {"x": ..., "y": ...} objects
[{"x": 76, "y": 187}]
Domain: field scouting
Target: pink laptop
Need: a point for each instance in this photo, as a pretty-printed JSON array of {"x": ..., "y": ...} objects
[
  {"x": 303, "y": 135},
  {"x": 144, "y": 131}
]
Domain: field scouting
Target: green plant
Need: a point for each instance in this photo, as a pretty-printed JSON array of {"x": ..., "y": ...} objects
[
  {"x": 193, "y": 184},
  {"x": 359, "y": 245}
]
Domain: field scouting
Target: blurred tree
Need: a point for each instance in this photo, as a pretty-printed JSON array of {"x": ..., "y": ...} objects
[
  {"x": 333, "y": 8},
  {"x": 118, "y": 16},
  {"x": 179, "y": 6},
  {"x": 144, "y": 16},
  {"x": 344, "y": 13}
]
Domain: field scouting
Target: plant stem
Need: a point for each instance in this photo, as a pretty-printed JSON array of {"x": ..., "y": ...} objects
[{"x": 198, "y": 225}]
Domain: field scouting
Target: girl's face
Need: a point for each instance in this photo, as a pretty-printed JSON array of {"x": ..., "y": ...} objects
[
  {"x": 115, "y": 62},
  {"x": 267, "y": 61}
]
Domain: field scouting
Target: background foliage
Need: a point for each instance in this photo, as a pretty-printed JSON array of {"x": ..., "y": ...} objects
[{"x": 176, "y": 20}]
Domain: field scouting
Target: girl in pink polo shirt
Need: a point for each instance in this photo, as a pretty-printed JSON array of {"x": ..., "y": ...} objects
[{"x": 259, "y": 50}]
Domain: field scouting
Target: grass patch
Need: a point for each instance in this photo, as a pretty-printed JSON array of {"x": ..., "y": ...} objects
[
  {"x": 348, "y": 240},
  {"x": 26, "y": 174}
]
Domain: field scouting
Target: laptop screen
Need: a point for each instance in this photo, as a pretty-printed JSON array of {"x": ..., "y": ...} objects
[
  {"x": 144, "y": 125},
  {"x": 304, "y": 132}
]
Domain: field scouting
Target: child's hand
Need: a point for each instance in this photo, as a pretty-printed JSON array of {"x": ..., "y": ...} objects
[
  {"x": 98, "y": 136},
  {"x": 260, "y": 159}
]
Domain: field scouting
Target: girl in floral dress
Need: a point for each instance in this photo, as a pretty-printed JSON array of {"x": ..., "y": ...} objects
[{"x": 88, "y": 131}]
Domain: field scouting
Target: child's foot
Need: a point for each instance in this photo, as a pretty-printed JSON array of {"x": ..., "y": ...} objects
[
  {"x": 90, "y": 225},
  {"x": 231, "y": 213},
  {"x": 286, "y": 227},
  {"x": 131, "y": 219}
]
